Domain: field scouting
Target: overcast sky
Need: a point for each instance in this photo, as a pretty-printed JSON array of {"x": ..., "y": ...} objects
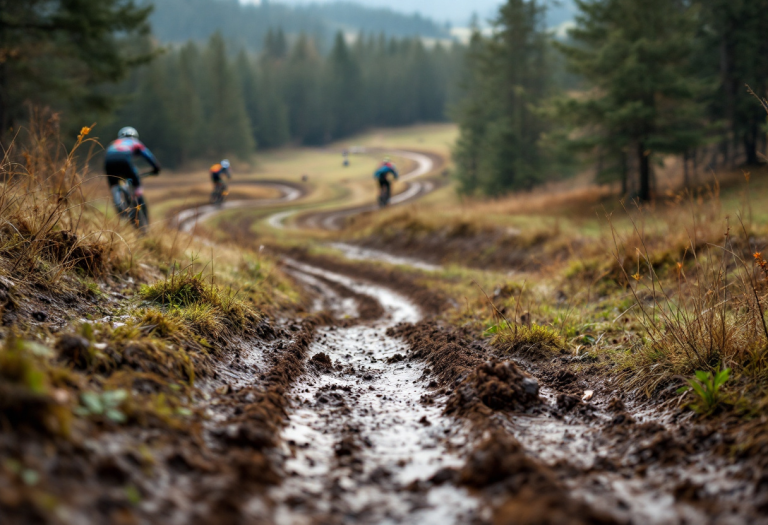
[{"x": 458, "y": 12}]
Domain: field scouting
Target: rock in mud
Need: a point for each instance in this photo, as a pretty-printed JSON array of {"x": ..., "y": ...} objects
[{"x": 495, "y": 385}]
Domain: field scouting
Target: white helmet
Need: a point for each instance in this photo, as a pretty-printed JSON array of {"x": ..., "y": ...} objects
[
  {"x": 225, "y": 164},
  {"x": 127, "y": 132}
]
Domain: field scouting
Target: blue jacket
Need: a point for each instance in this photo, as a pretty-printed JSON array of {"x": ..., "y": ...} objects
[
  {"x": 385, "y": 170},
  {"x": 127, "y": 148}
]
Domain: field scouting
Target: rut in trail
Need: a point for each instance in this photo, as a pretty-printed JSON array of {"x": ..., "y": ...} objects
[{"x": 359, "y": 440}]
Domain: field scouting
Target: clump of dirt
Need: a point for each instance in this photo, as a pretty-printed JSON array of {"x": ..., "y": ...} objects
[
  {"x": 480, "y": 382},
  {"x": 321, "y": 362},
  {"x": 534, "y": 495},
  {"x": 494, "y": 385},
  {"x": 450, "y": 353}
]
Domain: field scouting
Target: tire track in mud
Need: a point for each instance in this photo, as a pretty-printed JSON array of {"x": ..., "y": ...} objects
[
  {"x": 557, "y": 459},
  {"x": 426, "y": 162},
  {"x": 186, "y": 220},
  {"x": 359, "y": 440}
]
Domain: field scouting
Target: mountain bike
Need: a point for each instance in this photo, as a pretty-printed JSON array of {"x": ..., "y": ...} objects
[
  {"x": 385, "y": 194},
  {"x": 132, "y": 206},
  {"x": 220, "y": 192}
]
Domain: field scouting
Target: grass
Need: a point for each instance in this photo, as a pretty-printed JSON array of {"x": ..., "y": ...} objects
[
  {"x": 652, "y": 294},
  {"x": 106, "y": 328}
]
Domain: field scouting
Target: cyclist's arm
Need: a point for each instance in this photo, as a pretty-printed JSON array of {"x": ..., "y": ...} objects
[
  {"x": 394, "y": 172},
  {"x": 147, "y": 155}
]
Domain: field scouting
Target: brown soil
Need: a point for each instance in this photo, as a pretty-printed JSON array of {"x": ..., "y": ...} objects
[
  {"x": 473, "y": 385},
  {"x": 463, "y": 243},
  {"x": 156, "y": 470},
  {"x": 430, "y": 302}
]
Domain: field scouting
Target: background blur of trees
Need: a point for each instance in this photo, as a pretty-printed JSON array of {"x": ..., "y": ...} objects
[
  {"x": 643, "y": 79},
  {"x": 632, "y": 82},
  {"x": 201, "y": 101}
]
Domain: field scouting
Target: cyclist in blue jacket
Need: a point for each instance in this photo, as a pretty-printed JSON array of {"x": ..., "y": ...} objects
[
  {"x": 385, "y": 188},
  {"x": 119, "y": 165}
]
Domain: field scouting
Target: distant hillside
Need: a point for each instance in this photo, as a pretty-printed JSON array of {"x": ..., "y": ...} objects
[{"x": 247, "y": 25}]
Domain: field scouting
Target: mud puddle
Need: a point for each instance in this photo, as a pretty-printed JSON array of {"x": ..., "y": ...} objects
[
  {"x": 359, "y": 253},
  {"x": 359, "y": 439},
  {"x": 617, "y": 472}
]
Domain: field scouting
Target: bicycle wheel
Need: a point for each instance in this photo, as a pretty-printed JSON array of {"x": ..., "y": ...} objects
[
  {"x": 120, "y": 199},
  {"x": 141, "y": 215}
]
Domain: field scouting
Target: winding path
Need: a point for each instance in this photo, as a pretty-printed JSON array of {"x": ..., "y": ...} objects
[
  {"x": 334, "y": 219},
  {"x": 426, "y": 163},
  {"x": 186, "y": 220}
]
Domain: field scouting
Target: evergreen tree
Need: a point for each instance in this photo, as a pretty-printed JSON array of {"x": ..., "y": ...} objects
[
  {"x": 56, "y": 51},
  {"x": 226, "y": 125},
  {"x": 302, "y": 94},
  {"x": 343, "y": 90},
  {"x": 636, "y": 54},
  {"x": 735, "y": 52},
  {"x": 499, "y": 146}
]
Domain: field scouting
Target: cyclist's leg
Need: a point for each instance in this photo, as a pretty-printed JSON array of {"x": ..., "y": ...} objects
[{"x": 385, "y": 190}]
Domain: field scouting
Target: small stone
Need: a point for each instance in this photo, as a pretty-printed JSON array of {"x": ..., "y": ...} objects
[{"x": 531, "y": 386}]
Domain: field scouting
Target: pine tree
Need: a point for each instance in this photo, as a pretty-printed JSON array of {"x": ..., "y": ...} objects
[
  {"x": 735, "y": 52},
  {"x": 343, "y": 90},
  {"x": 636, "y": 54},
  {"x": 302, "y": 94},
  {"x": 56, "y": 51},
  {"x": 227, "y": 129},
  {"x": 499, "y": 148}
]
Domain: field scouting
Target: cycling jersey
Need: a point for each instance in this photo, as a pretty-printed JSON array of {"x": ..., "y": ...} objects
[
  {"x": 118, "y": 162},
  {"x": 217, "y": 170},
  {"x": 384, "y": 170}
]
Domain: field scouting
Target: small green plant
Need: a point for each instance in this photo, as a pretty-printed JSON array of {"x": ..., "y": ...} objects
[
  {"x": 105, "y": 404},
  {"x": 707, "y": 387}
]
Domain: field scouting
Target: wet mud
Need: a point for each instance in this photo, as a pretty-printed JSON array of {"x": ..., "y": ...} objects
[
  {"x": 560, "y": 459},
  {"x": 362, "y": 445},
  {"x": 430, "y": 302}
]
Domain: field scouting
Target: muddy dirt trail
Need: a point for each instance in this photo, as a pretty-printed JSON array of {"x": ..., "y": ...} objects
[
  {"x": 397, "y": 422},
  {"x": 426, "y": 163},
  {"x": 187, "y": 220},
  {"x": 359, "y": 437}
]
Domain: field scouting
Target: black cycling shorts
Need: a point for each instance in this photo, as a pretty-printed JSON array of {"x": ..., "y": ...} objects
[{"x": 118, "y": 169}]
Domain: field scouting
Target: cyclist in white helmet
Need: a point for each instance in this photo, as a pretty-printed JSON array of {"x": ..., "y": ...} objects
[
  {"x": 219, "y": 169},
  {"x": 119, "y": 164},
  {"x": 219, "y": 187}
]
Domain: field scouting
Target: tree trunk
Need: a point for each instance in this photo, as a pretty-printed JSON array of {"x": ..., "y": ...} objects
[
  {"x": 750, "y": 144},
  {"x": 645, "y": 173},
  {"x": 624, "y": 174}
]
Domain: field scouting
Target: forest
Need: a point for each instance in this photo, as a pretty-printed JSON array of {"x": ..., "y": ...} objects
[
  {"x": 653, "y": 78},
  {"x": 631, "y": 83},
  {"x": 200, "y": 101}
]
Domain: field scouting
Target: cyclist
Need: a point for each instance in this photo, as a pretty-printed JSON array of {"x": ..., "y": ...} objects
[
  {"x": 219, "y": 187},
  {"x": 384, "y": 186},
  {"x": 119, "y": 166}
]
